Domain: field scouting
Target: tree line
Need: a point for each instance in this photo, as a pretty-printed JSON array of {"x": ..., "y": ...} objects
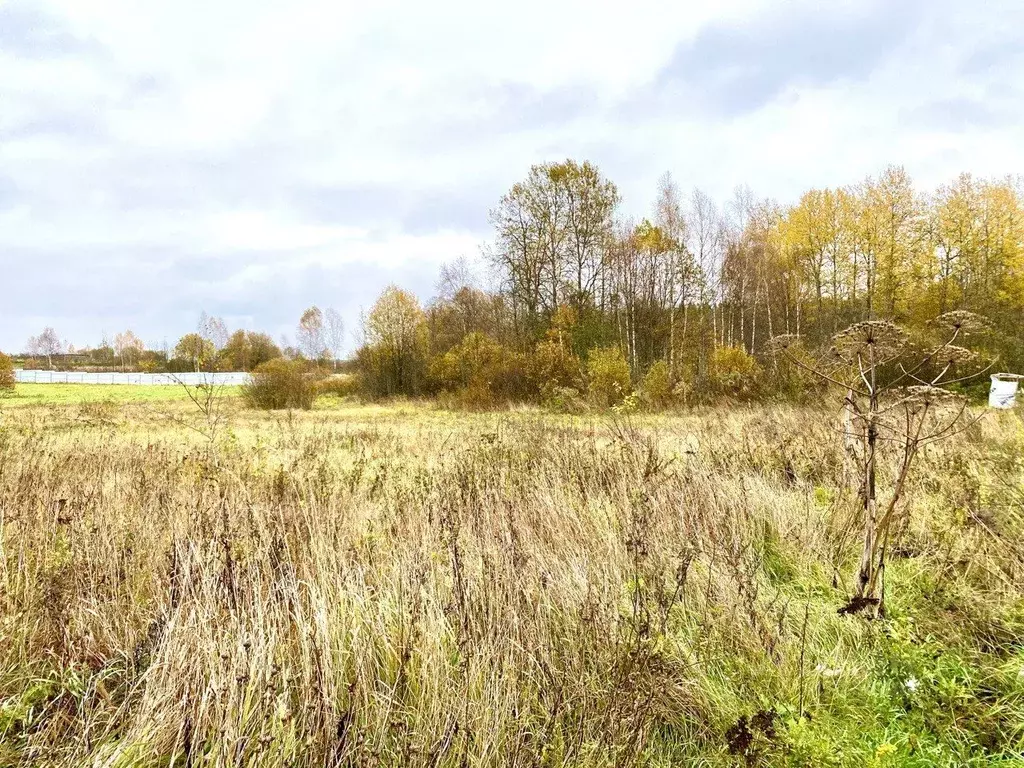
[
  {"x": 577, "y": 301},
  {"x": 680, "y": 305},
  {"x": 320, "y": 339}
]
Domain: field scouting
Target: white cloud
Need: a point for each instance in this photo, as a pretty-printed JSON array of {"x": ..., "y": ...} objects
[{"x": 250, "y": 158}]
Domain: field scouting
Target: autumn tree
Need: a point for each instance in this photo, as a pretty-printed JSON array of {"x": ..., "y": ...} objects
[
  {"x": 679, "y": 272},
  {"x": 195, "y": 349},
  {"x": 128, "y": 347},
  {"x": 334, "y": 331},
  {"x": 552, "y": 241},
  {"x": 7, "y": 379},
  {"x": 393, "y": 358},
  {"x": 213, "y": 329},
  {"x": 244, "y": 351},
  {"x": 310, "y": 333},
  {"x": 47, "y": 344},
  {"x": 702, "y": 287}
]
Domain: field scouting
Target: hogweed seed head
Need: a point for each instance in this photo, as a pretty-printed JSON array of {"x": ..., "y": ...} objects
[
  {"x": 963, "y": 322},
  {"x": 879, "y": 339},
  {"x": 953, "y": 355},
  {"x": 922, "y": 395},
  {"x": 783, "y": 342}
]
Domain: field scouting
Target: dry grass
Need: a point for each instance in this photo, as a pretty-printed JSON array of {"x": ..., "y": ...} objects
[{"x": 401, "y": 586}]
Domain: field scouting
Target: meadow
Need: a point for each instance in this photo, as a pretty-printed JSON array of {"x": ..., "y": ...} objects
[
  {"x": 72, "y": 394},
  {"x": 408, "y": 586}
]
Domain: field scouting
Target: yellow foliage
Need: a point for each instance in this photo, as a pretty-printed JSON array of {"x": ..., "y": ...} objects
[{"x": 607, "y": 375}]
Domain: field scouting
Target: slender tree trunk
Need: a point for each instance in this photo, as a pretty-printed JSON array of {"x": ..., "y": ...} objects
[
  {"x": 868, "y": 582},
  {"x": 672, "y": 339}
]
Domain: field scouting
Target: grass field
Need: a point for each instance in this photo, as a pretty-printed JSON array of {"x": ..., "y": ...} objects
[
  {"x": 399, "y": 585},
  {"x": 65, "y": 394}
]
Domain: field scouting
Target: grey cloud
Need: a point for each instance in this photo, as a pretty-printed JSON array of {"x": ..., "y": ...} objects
[
  {"x": 448, "y": 208},
  {"x": 412, "y": 211},
  {"x": 497, "y": 109},
  {"x": 32, "y": 115},
  {"x": 8, "y": 193},
  {"x": 516, "y": 106},
  {"x": 248, "y": 175},
  {"x": 159, "y": 292},
  {"x": 993, "y": 59},
  {"x": 956, "y": 114},
  {"x": 732, "y": 69},
  {"x": 58, "y": 122},
  {"x": 29, "y": 32}
]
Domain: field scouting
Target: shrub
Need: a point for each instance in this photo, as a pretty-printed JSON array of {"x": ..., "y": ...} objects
[
  {"x": 281, "y": 384},
  {"x": 554, "y": 366},
  {"x": 481, "y": 371},
  {"x": 476, "y": 396},
  {"x": 6, "y": 374},
  {"x": 656, "y": 386},
  {"x": 789, "y": 372},
  {"x": 344, "y": 385},
  {"x": 734, "y": 372},
  {"x": 564, "y": 400},
  {"x": 607, "y": 375}
]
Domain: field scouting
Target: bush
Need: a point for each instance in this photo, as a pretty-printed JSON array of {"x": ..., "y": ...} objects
[
  {"x": 656, "y": 387},
  {"x": 554, "y": 366},
  {"x": 6, "y": 374},
  {"x": 481, "y": 371},
  {"x": 788, "y": 379},
  {"x": 281, "y": 384},
  {"x": 345, "y": 385},
  {"x": 607, "y": 375},
  {"x": 564, "y": 400},
  {"x": 734, "y": 372}
]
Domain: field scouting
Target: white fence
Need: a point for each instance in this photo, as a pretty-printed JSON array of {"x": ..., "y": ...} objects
[{"x": 81, "y": 377}]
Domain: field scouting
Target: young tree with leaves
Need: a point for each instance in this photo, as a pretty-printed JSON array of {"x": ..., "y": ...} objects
[
  {"x": 7, "y": 378},
  {"x": 394, "y": 356},
  {"x": 198, "y": 351}
]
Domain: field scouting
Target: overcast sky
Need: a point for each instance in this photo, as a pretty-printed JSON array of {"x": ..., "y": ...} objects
[{"x": 251, "y": 157}]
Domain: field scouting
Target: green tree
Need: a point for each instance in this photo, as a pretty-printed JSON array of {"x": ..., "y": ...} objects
[
  {"x": 196, "y": 350},
  {"x": 393, "y": 358},
  {"x": 6, "y": 374},
  {"x": 246, "y": 350}
]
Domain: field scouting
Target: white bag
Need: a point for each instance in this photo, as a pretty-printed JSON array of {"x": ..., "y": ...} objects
[{"x": 1003, "y": 393}]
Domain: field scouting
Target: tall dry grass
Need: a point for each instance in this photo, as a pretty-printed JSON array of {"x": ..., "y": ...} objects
[{"x": 365, "y": 588}]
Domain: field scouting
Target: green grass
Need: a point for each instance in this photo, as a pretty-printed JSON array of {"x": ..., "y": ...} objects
[{"x": 73, "y": 394}]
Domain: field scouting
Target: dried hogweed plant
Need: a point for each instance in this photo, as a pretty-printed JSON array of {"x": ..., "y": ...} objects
[{"x": 896, "y": 397}]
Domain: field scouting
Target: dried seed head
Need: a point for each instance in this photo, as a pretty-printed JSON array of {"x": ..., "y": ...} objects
[
  {"x": 878, "y": 338},
  {"x": 953, "y": 355},
  {"x": 783, "y": 342},
  {"x": 922, "y": 395},
  {"x": 963, "y": 321}
]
